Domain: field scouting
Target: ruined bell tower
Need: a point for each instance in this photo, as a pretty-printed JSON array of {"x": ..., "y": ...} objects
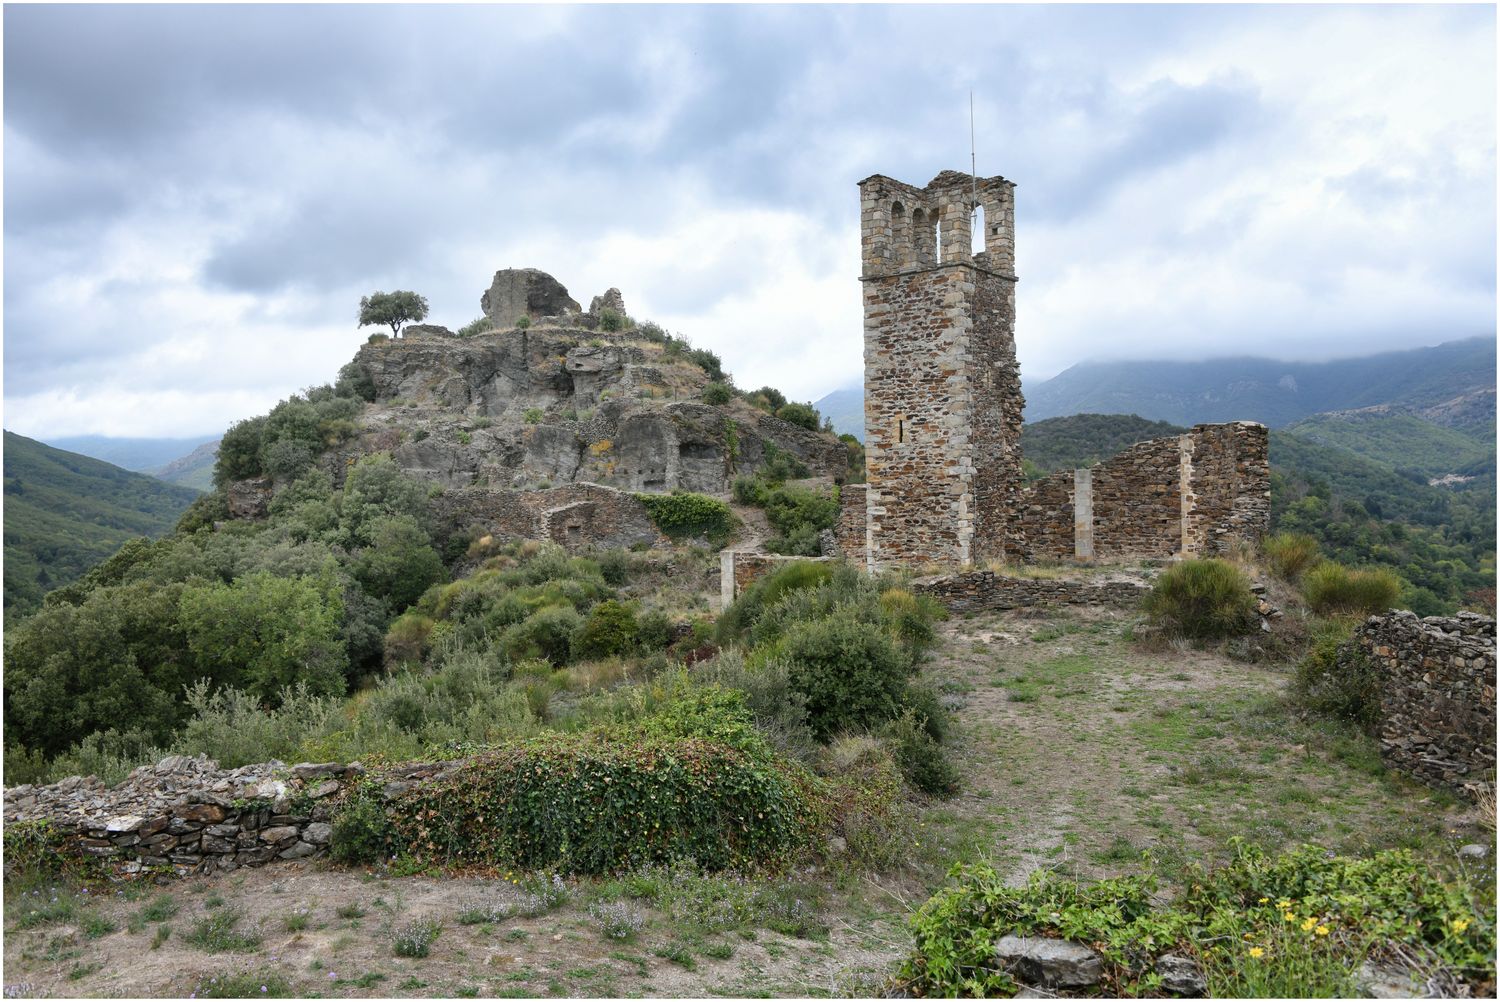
[{"x": 942, "y": 385}]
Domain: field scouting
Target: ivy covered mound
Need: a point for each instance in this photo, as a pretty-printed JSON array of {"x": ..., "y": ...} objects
[
  {"x": 1300, "y": 924},
  {"x": 694, "y": 783}
]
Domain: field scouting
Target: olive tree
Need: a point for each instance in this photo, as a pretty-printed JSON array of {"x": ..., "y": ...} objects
[{"x": 394, "y": 309}]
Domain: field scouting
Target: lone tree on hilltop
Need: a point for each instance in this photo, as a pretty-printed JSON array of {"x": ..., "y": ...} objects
[{"x": 393, "y": 309}]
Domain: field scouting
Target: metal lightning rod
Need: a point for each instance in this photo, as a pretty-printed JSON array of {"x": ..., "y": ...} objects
[{"x": 973, "y": 162}]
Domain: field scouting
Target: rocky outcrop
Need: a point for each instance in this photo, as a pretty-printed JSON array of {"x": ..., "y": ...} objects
[
  {"x": 577, "y": 516},
  {"x": 248, "y": 498},
  {"x": 186, "y": 815},
  {"x": 549, "y": 405},
  {"x": 525, "y": 292}
]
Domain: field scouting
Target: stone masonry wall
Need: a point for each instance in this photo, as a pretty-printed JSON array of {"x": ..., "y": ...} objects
[
  {"x": 985, "y": 590},
  {"x": 1230, "y": 485},
  {"x": 575, "y": 515},
  {"x": 942, "y": 387},
  {"x": 1047, "y": 517},
  {"x": 1437, "y": 694},
  {"x": 185, "y": 815},
  {"x": 1138, "y": 502},
  {"x": 849, "y": 531}
]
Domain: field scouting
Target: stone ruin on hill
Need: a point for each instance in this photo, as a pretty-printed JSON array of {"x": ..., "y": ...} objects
[
  {"x": 943, "y": 411},
  {"x": 943, "y": 406}
]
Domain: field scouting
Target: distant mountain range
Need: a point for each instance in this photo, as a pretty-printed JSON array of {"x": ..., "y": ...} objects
[
  {"x": 65, "y": 512},
  {"x": 1451, "y": 385}
]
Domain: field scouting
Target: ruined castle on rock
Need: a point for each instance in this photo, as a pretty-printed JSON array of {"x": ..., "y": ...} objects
[{"x": 943, "y": 409}]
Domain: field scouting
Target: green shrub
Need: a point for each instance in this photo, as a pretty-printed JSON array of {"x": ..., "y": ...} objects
[
  {"x": 799, "y": 518},
  {"x": 239, "y": 456},
  {"x": 765, "y": 592},
  {"x": 1333, "y": 589},
  {"x": 1289, "y": 554},
  {"x": 611, "y": 319},
  {"x": 1202, "y": 600},
  {"x": 415, "y": 938},
  {"x": 850, "y": 670},
  {"x": 361, "y": 828},
  {"x": 217, "y": 932},
  {"x": 865, "y": 802},
  {"x": 611, "y": 630},
  {"x": 478, "y": 325},
  {"x": 717, "y": 394},
  {"x": 801, "y": 415},
  {"x": 1344, "y": 685},
  {"x": 523, "y": 322},
  {"x": 1238, "y": 918},
  {"x": 682, "y": 514},
  {"x": 591, "y": 803},
  {"x": 778, "y": 709},
  {"x": 533, "y": 415},
  {"x": 547, "y": 633},
  {"x": 921, "y": 758}
]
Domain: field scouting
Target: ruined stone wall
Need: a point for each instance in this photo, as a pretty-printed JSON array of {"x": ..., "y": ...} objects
[
  {"x": 185, "y": 815},
  {"x": 942, "y": 387},
  {"x": 849, "y": 531},
  {"x": 1138, "y": 502},
  {"x": 986, "y": 590},
  {"x": 1047, "y": 518},
  {"x": 1437, "y": 694},
  {"x": 577, "y": 516},
  {"x": 1229, "y": 487}
]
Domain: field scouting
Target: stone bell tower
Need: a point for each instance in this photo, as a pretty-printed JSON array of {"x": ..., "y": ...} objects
[{"x": 942, "y": 385}]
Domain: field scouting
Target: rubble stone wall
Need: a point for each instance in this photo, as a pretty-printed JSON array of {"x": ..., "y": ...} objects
[
  {"x": 1437, "y": 694},
  {"x": 1138, "y": 502},
  {"x": 1047, "y": 517},
  {"x": 986, "y": 590},
  {"x": 849, "y": 531},
  {"x": 575, "y": 515},
  {"x": 185, "y": 815},
  {"x": 1229, "y": 485}
]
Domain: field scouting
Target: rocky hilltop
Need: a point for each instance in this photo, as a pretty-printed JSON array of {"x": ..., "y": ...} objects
[{"x": 549, "y": 398}]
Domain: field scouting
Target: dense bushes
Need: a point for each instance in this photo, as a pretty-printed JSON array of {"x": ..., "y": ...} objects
[
  {"x": 798, "y": 515},
  {"x": 850, "y": 671},
  {"x": 592, "y": 803},
  {"x": 1289, "y": 554},
  {"x": 1294, "y": 925},
  {"x": 684, "y": 515},
  {"x": 1332, "y": 589},
  {"x": 284, "y": 443},
  {"x": 1202, "y": 600}
]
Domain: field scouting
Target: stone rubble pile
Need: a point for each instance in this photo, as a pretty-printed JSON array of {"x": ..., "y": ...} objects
[{"x": 188, "y": 815}]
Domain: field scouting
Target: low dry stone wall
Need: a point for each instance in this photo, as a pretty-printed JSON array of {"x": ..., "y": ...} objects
[
  {"x": 982, "y": 590},
  {"x": 185, "y": 815},
  {"x": 1437, "y": 694}
]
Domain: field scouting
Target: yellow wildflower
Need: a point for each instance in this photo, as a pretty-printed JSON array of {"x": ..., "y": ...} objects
[
  {"x": 1460, "y": 924},
  {"x": 1321, "y": 930},
  {"x": 1284, "y": 903},
  {"x": 1256, "y": 951},
  {"x": 1263, "y": 901},
  {"x": 1308, "y": 923},
  {"x": 1290, "y": 917}
]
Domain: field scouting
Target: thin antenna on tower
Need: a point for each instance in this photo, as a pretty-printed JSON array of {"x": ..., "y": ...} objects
[{"x": 973, "y": 161}]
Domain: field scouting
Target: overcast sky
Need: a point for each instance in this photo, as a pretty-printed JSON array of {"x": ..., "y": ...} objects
[{"x": 196, "y": 198}]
